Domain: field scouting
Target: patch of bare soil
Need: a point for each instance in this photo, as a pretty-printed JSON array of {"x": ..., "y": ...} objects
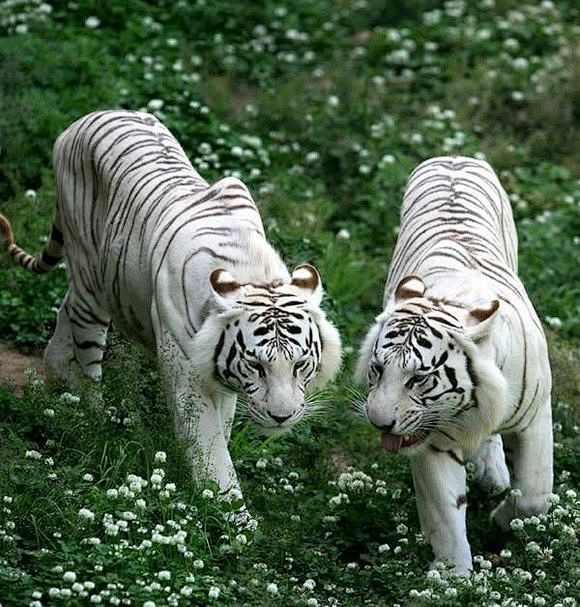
[{"x": 13, "y": 365}]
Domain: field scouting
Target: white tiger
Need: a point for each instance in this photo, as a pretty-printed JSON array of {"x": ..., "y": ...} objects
[
  {"x": 458, "y": 354},
  {"x": 185, "y": 268}
]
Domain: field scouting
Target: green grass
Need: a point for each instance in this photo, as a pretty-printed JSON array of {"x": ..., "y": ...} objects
[{"x": 332, "y": 104}]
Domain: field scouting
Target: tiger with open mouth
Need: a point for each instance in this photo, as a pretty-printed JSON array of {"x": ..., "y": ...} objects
[{"x": 458, "y": 355}]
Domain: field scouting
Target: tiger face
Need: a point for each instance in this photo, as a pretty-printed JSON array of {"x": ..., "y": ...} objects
[
  {"x": 424, "y": 370},
  {"x": 274, "y": 346}
]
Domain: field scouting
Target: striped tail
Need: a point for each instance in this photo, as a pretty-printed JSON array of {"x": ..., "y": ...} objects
[{"x": 52, "y": 253}]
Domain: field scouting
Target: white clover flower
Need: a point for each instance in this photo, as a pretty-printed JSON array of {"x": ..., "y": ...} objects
[
  {"x": 149, "y": 604},
  {"x": 164, "y": 575},
  {"x": 554, "y": 322},
  {"x": 213, "y": 592},
  {"x": 171, "y": 487},
  {"x": 77, "y": 587},
  {"x": 505, "y": 554},
  {"x": 511, "y": 44},
  {"x": 272, "y": 588},
  {"x": 186, "y": 591},
  {"x": 571, "y": 494},
  {"x": 384, "y": 548},
  {"x": 33, "y": 454},
  {"x": 333, "y": 101},
  {"x": 156, "y": 479},
  {"x": 92, "y": 22},
  {"x": 402, "y": 529},
  {"x": 69, "y": 576},
  {"x": 129, "y": 516},
  {"x": 520, "y": 63},
  {"x": 49, "y": 412},
  {"x": 207, "y": 494},
  {"x": 86, "y": 514},
  {"x": 161, "y": 456},
  {"x": 398, "y": 57},
  {"x": 198, "y": 564},
  {"x": 112, "y": 494},
  {"x": 96, "y": 598},
  {"x": 154, "y": 105},
  {"x": 309, "y": 584},
  {"x": 71, "y": 399},
  {"x": 312, "y": 602},
  {"x": 141, "y": 504},
  {"x": 88, "y": 477}
]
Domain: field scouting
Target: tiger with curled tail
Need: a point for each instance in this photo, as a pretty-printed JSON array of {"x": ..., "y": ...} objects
[
  {"x": 184, "y": 267},
  {"x": 458, "y": 358}
]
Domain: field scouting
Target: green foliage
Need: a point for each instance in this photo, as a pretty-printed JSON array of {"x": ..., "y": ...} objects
[{"x": 323, "y": 107}]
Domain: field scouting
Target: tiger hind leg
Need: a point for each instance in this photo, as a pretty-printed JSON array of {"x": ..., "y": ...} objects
[
  {"x": 490, "y": 468},
  {"x": 58, "y": 355},
  {"x": 76, "y": 349},
  {"x": 530, "y": 454}
]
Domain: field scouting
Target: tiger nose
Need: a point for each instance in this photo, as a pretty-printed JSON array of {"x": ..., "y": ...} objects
[
  {"x": 279, "y": 418},
  {"x": 385, "y": 427}
]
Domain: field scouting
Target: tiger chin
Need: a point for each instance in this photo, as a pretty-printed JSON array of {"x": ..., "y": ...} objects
[{"x": 456, "y": 364}]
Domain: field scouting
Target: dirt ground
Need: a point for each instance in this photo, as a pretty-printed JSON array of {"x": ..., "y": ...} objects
[{"x": 13, "y": 365}]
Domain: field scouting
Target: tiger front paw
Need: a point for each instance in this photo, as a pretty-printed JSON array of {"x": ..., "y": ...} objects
[{"x": 490, "y": 468}]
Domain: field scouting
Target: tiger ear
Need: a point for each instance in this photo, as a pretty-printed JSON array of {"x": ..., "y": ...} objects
[
  {"x": 307, "y": 279},
  {"x": 481, "y": 318},
  {"x": 410, "y": 286},
  {"x": 224, "y": 286}
]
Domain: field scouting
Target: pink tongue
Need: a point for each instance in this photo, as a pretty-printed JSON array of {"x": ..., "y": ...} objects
[{"x": 391, "y": 442}]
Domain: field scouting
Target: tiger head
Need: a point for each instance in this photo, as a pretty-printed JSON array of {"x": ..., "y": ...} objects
[
  {"x": 271, "y": 343},
  {"x": 429, "y": 365}
]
